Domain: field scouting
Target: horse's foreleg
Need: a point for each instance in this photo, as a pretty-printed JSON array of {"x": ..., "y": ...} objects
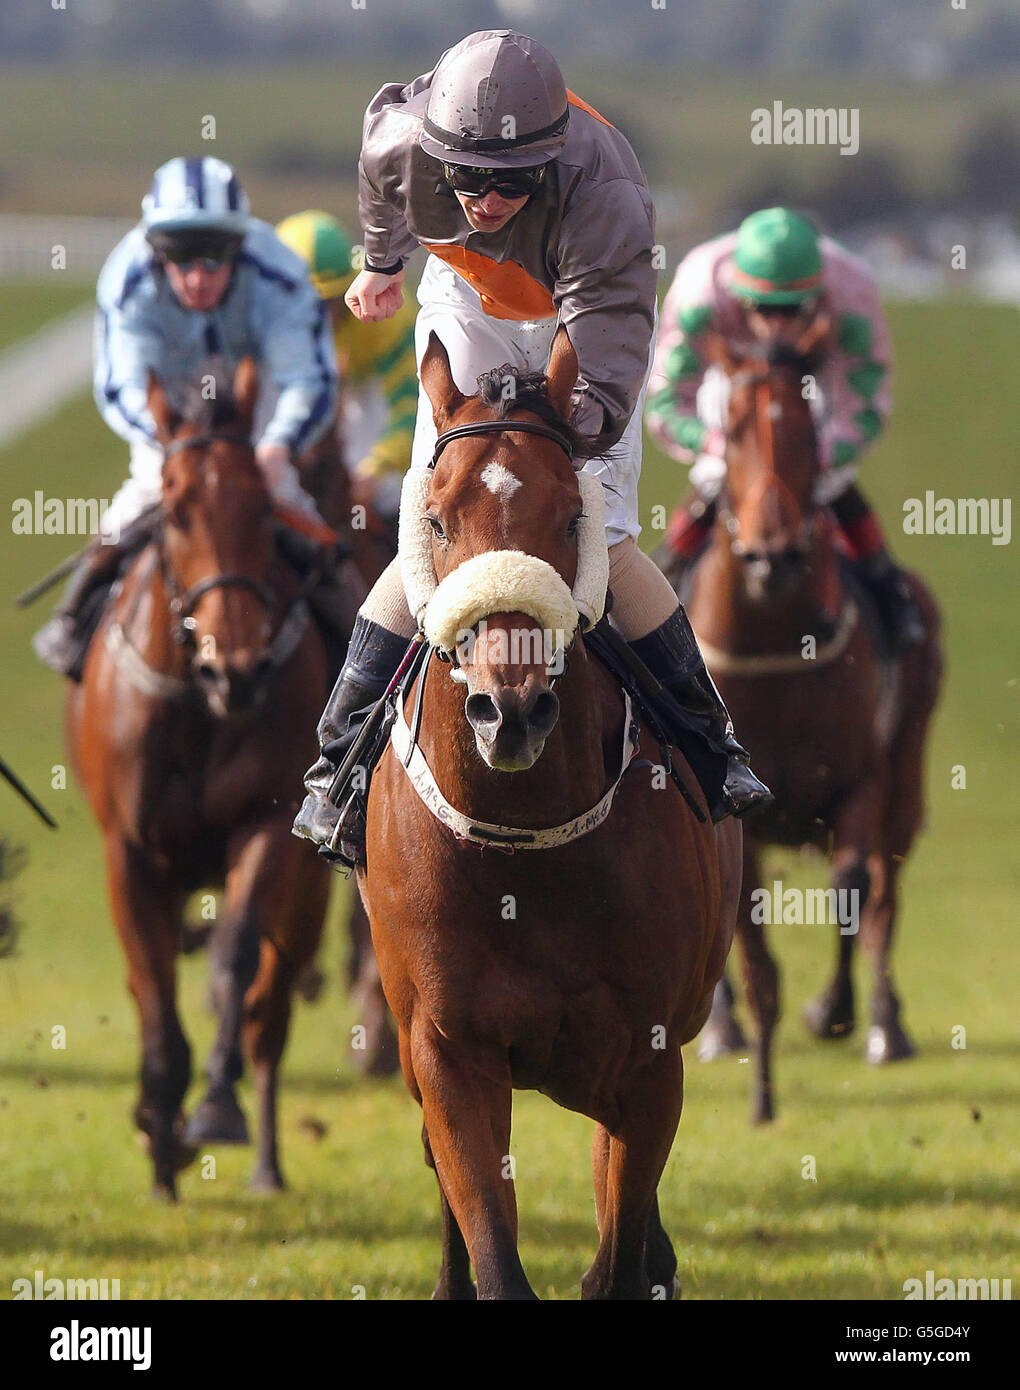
[
  {"x": 454, "y": 1281},
  {"x": 379, "y": 1056},
  {"x": 467, "y": 1119},
  {"x": 722, "y": 1034},
  {"x": 632, "y": 1244},
  {"x": 147, "y": 911},
  {"x": 761, "y": 977},
  {"x": 832, "y": 1014},
  {"x": 234, "y": 954},
  {"x": 293, "y": 914},
  {"x": 888, "y": 1040}
]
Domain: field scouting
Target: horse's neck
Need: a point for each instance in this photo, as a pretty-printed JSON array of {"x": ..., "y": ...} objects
[
  {"x": 572, "y": 774},
  {"x": 724, "y": 614}
]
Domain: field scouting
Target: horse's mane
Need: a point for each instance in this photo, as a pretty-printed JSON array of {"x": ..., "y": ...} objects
[{"x": 530, "y": 392}]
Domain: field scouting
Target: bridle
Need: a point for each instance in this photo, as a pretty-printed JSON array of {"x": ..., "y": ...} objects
[
  {"x": 759, "y": 377},
  {"x": 183, "y": 602},
  {"x": 558, "y": 436}
]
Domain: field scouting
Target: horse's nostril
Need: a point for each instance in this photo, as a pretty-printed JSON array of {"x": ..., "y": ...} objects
[
  {"x": 207, "y": 673},
  {"x": 544, "y": 713},
  {"x": 481, "y": 710}
]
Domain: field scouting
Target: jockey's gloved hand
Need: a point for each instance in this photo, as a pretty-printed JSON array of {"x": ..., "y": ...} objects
[{"x": 283, "y": 479}]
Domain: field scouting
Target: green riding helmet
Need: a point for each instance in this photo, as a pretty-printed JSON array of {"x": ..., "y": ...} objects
[
  {"x": 777, "y": 259},
  {"x": 324, "y": 247}
]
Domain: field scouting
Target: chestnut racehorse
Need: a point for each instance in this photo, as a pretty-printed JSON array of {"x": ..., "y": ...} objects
[
  {"x": 577, "y": 970},
  {"x": 836, "y": 733},
  {"x": 189, "y": 733}
]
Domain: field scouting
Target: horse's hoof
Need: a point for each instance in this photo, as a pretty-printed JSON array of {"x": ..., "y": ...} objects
[
  {"x": 218, "y": 1120},
  {"x": 763, "y": 1114},
  {"x": 164, "y": 1192},
  {"x": 830, "y": 1017},
  {"x": 720, "y": 1039},
  {"x": 185, "y": 1155},
  {"x": 267, "y": 1180},
  {"x": 309, "y": 983},
  {"x": 888, "y": 1043}
]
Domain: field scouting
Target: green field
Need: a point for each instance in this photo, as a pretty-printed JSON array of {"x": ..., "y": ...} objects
[
  {"x": 916, "y": 1164},
  {"x": 28, "y": 306}
]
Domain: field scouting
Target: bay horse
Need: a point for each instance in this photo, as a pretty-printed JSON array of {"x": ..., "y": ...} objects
[
  {"x": 579, "y": 969},
  {"x": 837, "y": 732},
  {"x": 189, "y": 732}
]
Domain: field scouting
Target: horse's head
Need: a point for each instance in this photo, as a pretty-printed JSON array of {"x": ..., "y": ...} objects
[
  {"x": 217, "y": 538},
  {"x": 771, "y": 456},
  {"x": 505, "y": 511}
]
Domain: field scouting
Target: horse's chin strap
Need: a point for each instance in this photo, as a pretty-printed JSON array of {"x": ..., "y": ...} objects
[{"x": 507, "y": 838}]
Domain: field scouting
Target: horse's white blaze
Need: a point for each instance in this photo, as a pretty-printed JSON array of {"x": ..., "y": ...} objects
[{"x": 500, "y": 481}]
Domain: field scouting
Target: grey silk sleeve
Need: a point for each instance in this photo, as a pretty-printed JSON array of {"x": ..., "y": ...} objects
[{"x": 605, "y": 293}]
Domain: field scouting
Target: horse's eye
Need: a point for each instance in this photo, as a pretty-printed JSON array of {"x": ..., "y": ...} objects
[
  {"x": 437, "y": 527},
  {"x": 574, "y": 524}
]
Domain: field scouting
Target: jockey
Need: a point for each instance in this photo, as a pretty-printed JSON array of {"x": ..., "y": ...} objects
[
  {"x": 195, "y": 287},
  {"x": 771, "y": 277},
  {"x": 376, "y": 361},
  {"x": 535, "y": 213}
]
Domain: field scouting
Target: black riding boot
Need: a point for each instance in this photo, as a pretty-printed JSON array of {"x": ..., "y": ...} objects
[
  {"x": 672, "y": 655},
  {"x": 63, "y": 642},
  {"x": 897, "y": 607},
  {"x": 372, "y": 658}
]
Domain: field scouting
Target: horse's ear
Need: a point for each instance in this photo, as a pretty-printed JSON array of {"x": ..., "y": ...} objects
[
  {"x": 439, "y": 384},
  {"x": 159, "y": 409},
  {"x": 719, "y": 352},
  {"x": 246, "y": 391},
  {"x": 561, "y": 373}
]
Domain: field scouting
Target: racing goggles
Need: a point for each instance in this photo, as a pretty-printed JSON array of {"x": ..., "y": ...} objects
[
  {"x": 508, "y": 183},
  {"x": 206, "y": 263}
]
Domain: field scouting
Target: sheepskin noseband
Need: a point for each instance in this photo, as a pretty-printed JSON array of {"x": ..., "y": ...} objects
[{"x": 501, "y": 581}]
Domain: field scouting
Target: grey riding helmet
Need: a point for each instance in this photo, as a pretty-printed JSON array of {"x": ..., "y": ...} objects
[{"x": 497, "y": 100}]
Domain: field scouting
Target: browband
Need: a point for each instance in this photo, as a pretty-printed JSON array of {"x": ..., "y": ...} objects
[{"x": 559, "y": 437}]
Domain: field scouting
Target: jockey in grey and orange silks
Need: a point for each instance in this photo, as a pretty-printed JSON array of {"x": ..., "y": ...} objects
[{"x": 535, "y": 215}]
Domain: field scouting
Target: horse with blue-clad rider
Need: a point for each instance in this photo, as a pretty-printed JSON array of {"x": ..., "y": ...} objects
[{"x": 194, "y": 288}]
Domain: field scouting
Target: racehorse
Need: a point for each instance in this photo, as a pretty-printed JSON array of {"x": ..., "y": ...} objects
[
  {"x": 578, "y": 969},
  {"x": 189, "y": 733},
  {"x": 836, "y": 728}
]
